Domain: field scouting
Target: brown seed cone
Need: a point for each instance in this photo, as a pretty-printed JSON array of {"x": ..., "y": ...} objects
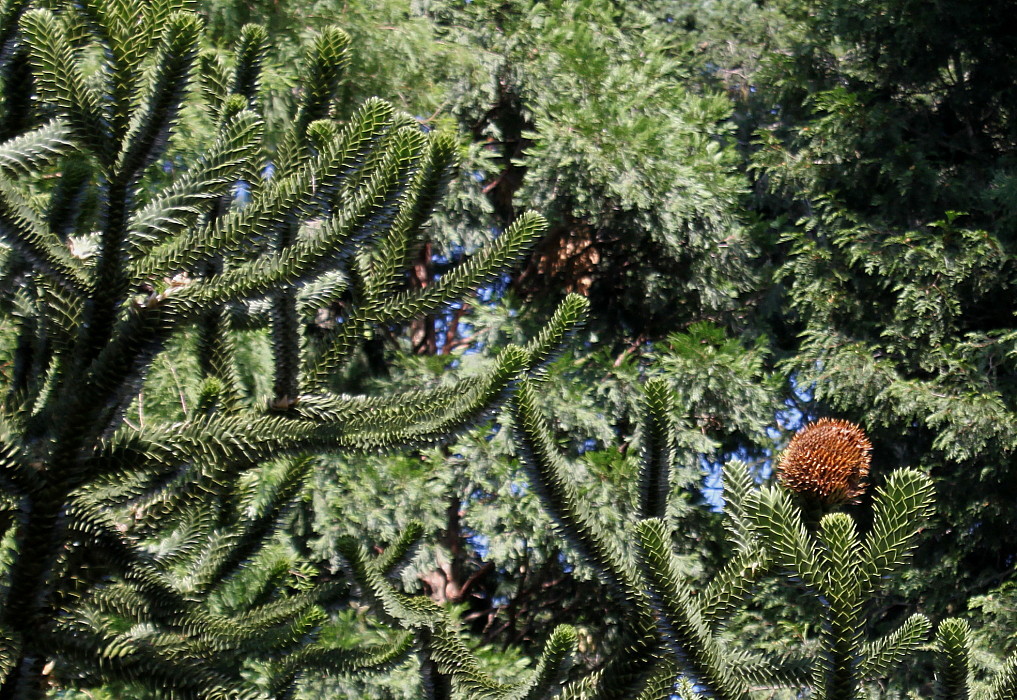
[{"x": 827, "y": 460}]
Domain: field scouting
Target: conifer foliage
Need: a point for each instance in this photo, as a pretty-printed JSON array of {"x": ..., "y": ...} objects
[
  {"x": 122, "y": 542},
  {"x": 674, "y": 626},
  {"x": 125, "y": 546}
]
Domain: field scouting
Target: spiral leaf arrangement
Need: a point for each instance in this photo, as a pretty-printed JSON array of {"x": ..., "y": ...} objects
[{"x": 139, "y": 553}]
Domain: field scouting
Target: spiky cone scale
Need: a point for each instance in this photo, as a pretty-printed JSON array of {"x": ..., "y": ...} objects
[{"x": 827, "y": 461}]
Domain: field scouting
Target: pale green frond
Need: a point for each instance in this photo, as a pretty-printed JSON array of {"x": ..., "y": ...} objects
[
  {"x": 686, "y": 689},
  {"x": 362, "y": 139},
  {"x": 444, "y": 647},
  {"x": 371, "y": 158},
  {"x": 341, "y": 345},
  {"x": 781, "y": 530},
  {"x": 953, "y": 651},
  {"x": 223, "y": 635},
  {"x": 112, "y": 546},
  {"x": 792, "y": 668},
  {"x": 447, "y": 650},
  {"x": 31, "y": 152},
  {"x": 114, "y": 657},
  {"x": 505, "y": 251},
  {"x": 842, "y": 597},
  {"x": 321, "y": 133},
  {"x": 682, "y": 625},
  {"x": 253, "y": 530},
  {"x": 255, "y": 626},
  {"x": 431, "y": 402},
  {"x": 226, "y": 235},
  {"x": 321, "y": 292},
  {"x": 127, "y": 34},
  {"x": 887, "y": 653},
  {"x": 247, "y": 437},
  {"x": 900, "y": 508},
  {"x": 453, "y": 285},
  {"x": 584, "y": 688},
  {"x": 426, "y": 426}
]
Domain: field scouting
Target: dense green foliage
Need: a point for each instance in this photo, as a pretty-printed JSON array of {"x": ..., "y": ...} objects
[
  {"x": 776, "y": 211},
  {"x": 146, "y": 553},
  {"x": 894, "y": 157}
]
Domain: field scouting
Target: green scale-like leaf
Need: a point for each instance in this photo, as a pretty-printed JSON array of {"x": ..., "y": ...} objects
[
  {"x": 952, "y": 660},
  {"x": 318, "y": 245},
  {"x": 394, "y": 249},
  {"x": 780, "y": 524},
  {"x": 658, "y": 449},
  {"x": 61, "y": 83},
  {"x": 842, "y": 649},
  {"x": 899, "y": 509},
  {"x": 505, "y": 251},
  {"x": 216, "y": 171},
  {"x": 886, "y": 654},
  {"x": 683, "y": 627},
  {"x": 23, "y": 229},
  {"x": 149, "y": 129},
  {"x": 443, "y": 645},
  {"x": 246, "y": 438},
  {"x": 281, "y": 197},
  {"x": 36, "y": 150},
  {"x": 339, "y": 661},
  {"x": 250, "y": 54},
  {"x": 552, "y": 480},
  {"x": 1004, "y": 683}
]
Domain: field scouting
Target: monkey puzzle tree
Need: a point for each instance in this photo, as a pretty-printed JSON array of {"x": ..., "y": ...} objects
[
  {"x": 667, "y": 629},
  {"x": 673, "y": 626},
  {"x": 133, "y": 553},
  {"x": 122, "y": 543}
]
